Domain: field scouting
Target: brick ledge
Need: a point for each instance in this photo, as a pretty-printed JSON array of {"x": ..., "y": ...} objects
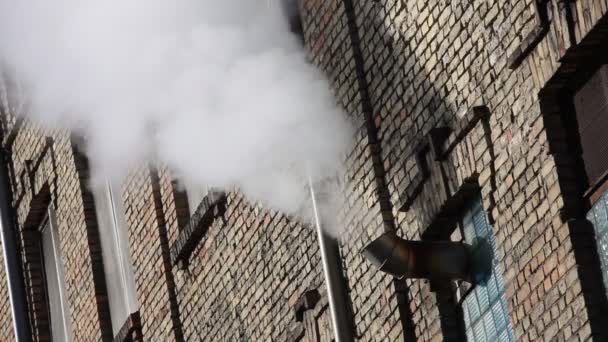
[{"x": 212, "y": 206}]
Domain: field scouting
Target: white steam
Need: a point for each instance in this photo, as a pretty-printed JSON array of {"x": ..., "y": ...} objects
[{"x": 219, "y": 91}]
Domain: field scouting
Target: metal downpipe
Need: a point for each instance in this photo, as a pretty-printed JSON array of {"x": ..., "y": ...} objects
[
  {"x": 330, "y": 257},
  {"x": 9, "y": 251}
]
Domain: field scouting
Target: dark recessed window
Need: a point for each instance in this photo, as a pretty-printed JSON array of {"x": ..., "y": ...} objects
[{"x": 591, "y": 104}]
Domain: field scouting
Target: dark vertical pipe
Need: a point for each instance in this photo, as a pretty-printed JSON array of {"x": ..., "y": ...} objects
[{"x": 11, "y": 260}]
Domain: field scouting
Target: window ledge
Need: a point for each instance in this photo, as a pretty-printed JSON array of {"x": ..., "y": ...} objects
[
  {"x": 130, "y": 330},
  {"x": 533, "y": 38},
  {"x": 462, "y": 128},
  {"x": 441, "y": 141},
  {"x": 212, "y": 206}
]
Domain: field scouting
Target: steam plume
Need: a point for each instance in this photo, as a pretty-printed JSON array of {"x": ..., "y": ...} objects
[{"x": 219, "y": 91}]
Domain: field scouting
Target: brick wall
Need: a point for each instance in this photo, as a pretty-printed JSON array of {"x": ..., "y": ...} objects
[
  {"x": 432, "y": 64},
  {"x": 379, "y": 311},
  {"x": 48, "y": 172},
  {"x": 400, "y": 69},
  {"x": 246, "y": 275},
  {"x": 149, "y": 248}
]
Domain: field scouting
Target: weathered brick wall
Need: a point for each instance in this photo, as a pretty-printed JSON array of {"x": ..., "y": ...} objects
[
  {"x": 544, "y": 59},
  {"x": 47, "y": 172},
  {"x": 149, "y": 248},
  {"x": 399, "y": 69},
  {"x": 331, "y": 39},
  {"x": 428, "y": 64},
  {"x": 246, "y": 275},
  {"x": 244, "y": 286}
]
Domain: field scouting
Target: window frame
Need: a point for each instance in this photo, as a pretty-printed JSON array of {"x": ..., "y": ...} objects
[
  {"x": 48, "y": 230},
  {"x": 464, "y": 290},
  {"x": 593, "y": 188},
  {"x": 116, "y": 254}
]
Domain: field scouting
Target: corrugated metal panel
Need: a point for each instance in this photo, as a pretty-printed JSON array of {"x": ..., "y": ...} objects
[{"x": 591, "y": 103}]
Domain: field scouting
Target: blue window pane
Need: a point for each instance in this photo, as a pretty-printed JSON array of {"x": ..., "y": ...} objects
[
  {"x": 505, "y": 336},
  {"x": 591, "y": 213},
  {"x": 598, "y": 216},
  {"x": 490, "y": 326},
  {"x": 482, "y": 299},
  {"x": 601, "y": 222},
  {"x": 466, "y": 316},
  {"x": 499, "y": 316},
  {"x": 478, "y": 330},
  {"x": 469, "y": 232},
  {"x": 492, "y": 242},
  {"x": 492, "y": 289},
  {"x": 499, "y": 283},
  {"x": 481, "y": 227},
  {"x": 470, "y": 335},
  {"x": 471, "y": 303},
  {"x": 485, "y": 308},
  {"x": 602, "y": 246}
]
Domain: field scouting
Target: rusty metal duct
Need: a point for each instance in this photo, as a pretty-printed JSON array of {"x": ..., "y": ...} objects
[{"x": 430, "y": 259}]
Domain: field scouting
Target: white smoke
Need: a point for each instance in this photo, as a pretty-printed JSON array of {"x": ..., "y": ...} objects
[{"x": 219, "y": 91}]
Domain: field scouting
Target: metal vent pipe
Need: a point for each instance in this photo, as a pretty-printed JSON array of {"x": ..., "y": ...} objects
[
  {"x": 431, "y": 259},
  {"x": 330, "y": 257}
]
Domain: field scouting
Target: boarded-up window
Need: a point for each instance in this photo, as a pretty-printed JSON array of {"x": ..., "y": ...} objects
[{"x": 591, "y": 103}]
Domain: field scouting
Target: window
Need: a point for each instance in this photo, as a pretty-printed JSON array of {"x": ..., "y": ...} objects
[
  {"x": 484, "y": 307},
  {"x": 591, "y": 104},
  {"x": 54, "y": 280},
  {"x": 115, "y": 252}
]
